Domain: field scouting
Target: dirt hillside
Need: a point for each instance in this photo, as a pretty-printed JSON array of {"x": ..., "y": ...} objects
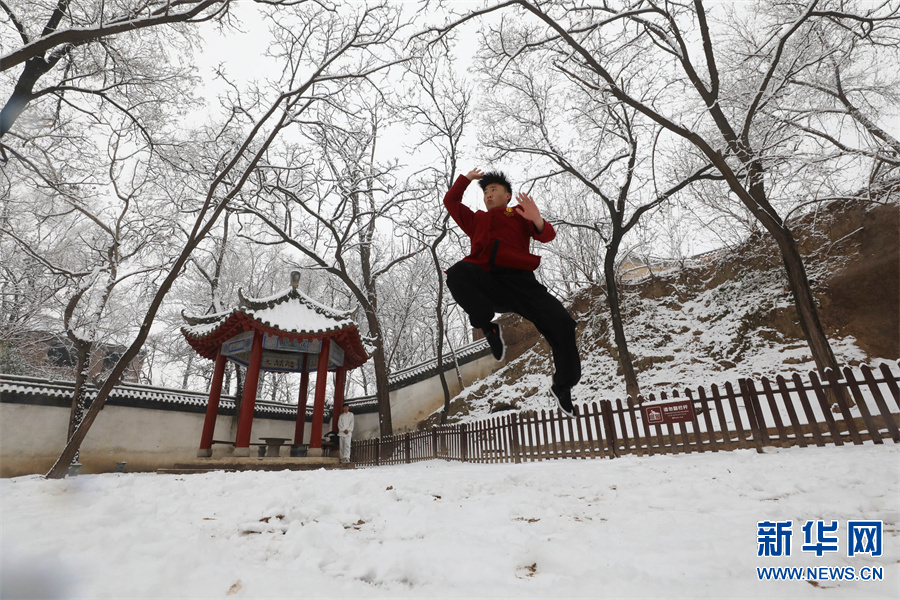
[{"x": 727, "y": 316}]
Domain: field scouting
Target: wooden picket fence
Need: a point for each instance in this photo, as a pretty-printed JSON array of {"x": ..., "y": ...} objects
[{"x": 863, "y": 406}]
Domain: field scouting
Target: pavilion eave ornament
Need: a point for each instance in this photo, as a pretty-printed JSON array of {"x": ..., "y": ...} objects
[{"x": 291, "y": 323}]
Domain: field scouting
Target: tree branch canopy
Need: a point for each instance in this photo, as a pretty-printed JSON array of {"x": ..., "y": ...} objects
[{"x": 75, "y": 36}]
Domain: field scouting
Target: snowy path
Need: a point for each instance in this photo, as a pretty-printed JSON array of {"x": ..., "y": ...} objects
[{"x": 660, "y": 527}]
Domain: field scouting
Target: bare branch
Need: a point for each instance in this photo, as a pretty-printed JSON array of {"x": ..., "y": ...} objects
[
  {"x": 162, "y": 15},
  {"x": 787, "y": 32},
  {"x": 15, "y": 20}
]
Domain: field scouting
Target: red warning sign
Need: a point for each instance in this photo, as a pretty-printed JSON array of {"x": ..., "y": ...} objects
[{"x": 665, "y": 413}]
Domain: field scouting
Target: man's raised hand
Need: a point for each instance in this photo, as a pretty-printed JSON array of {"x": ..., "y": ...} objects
[
  {"x": 528, "y": 209},
  {"x": 475, "y": 174}
]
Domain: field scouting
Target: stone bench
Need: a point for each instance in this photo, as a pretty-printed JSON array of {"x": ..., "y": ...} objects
[{"x": 272, "y": 446}]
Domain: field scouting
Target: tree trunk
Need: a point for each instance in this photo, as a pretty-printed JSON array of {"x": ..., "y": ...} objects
[
  {"x": 79, "y": 394},
  {"x": 440, "y": 325},
  {"x": 456, "y": 368},
  {"x": 13, "y": 108},
  {"x": 756, "y": 199},
  {"x": 751, "y": 190},
  {"x": 274, "y": 387},
  {"x": 23, "y": 93},
  {"x": 615, "y": 313},
  {"x": 382, "y": 386},
  {"x": 807, "y": 312},
  {"x": 804, "y": 301},
  {"x": 187, "y": 371},
  {"x": 59, "y": 469},
  {"x": 445, "y": 388}
]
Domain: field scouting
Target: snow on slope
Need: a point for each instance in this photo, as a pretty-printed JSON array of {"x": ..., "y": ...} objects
[{"x": 680, "y": 344}]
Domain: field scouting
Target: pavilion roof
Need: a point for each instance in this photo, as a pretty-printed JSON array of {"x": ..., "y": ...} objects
[{"x": 290, "y": 314}]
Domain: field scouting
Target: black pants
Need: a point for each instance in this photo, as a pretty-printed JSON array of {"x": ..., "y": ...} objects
[{"x": 481, "y": 294}]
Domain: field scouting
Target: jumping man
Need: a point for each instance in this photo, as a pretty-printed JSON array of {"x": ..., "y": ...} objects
[{"x": 498, "y": 274}]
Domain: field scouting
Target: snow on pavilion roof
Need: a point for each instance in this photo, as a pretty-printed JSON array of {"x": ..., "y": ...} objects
[{"x": 289, "y": 314}]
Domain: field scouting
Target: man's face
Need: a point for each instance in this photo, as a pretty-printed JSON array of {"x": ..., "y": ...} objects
[
  {"x": 496, "y": 196},
  {"x": 346, "y": 409}
]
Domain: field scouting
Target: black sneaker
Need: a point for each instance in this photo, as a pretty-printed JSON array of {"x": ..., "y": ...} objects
[
  {"x": 563, "y": 397},
  {"x": 494, "y": 337}
]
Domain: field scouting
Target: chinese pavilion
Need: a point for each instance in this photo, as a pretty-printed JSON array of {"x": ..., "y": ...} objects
[{"x": 287, "y": 332}]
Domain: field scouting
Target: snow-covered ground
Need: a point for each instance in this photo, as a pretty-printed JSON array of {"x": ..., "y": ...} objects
[{"x": 655, "y": 527}]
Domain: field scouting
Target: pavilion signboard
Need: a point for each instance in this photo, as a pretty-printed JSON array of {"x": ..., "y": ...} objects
[
  {"x": 281, "y": 362},
  {"x": 285, "y": 344}
]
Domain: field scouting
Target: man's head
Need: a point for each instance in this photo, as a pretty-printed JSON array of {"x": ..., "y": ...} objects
[
  {"x": 346, "y": 408},
  {"x": 497, "y": 190}
]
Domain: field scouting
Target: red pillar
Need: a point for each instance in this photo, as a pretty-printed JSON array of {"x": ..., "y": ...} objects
[
  {"x": 315, "y": 434},
  {"x": 248, "y": 402},
  {"x": 212, "y": 407},
  {"x": 302, "y": 400},
  {"x": 340, "y": 378}
]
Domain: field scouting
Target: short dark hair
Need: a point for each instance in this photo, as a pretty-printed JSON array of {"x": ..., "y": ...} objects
[{"x": 495, "y": 177}]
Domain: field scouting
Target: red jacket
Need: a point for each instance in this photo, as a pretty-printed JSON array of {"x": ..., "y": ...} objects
[{"x": 499, "y": 237}]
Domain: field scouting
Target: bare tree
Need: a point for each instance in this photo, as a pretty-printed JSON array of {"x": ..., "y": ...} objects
[
  {"x": 208, "y": 285},
  {"x": 26, "y": 292},
  {"x": 574, "y": 131},
  {"x": 96, "y": 140},
  {"x": 98, "y": 50},
  {"x": 642, "y": 53},
  {"x": 342, "y": 55},
  {"x": 94, "y": 245},
  {"x": 331, "y": 212},
  {"x": 838, "y": 101},
  {"x": 441, "y": 110}
]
